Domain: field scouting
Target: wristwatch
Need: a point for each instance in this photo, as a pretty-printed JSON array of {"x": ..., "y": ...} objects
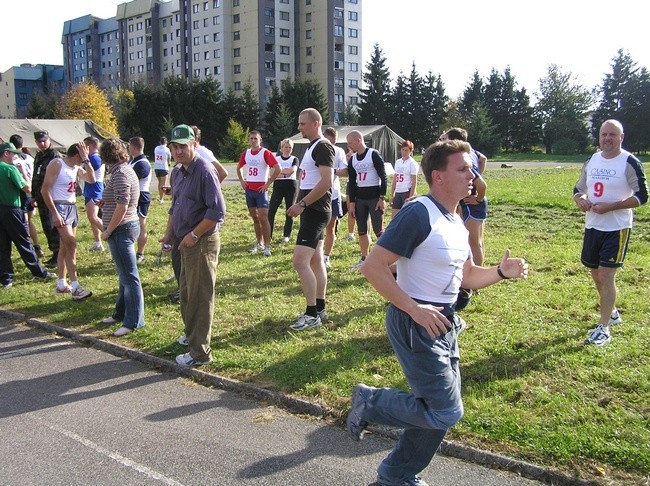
[
  {"x": 302, "y": 203},
  {"x": 195, "y": 238}
]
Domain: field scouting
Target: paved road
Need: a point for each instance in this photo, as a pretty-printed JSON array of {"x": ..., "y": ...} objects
[{"x": 71, "y": 414}]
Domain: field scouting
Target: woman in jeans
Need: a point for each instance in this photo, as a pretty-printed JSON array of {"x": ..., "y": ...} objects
[{"x": 121, "y": 230}]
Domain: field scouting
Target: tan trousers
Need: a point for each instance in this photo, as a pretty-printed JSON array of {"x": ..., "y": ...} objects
[{"x": 196, "y": 282}]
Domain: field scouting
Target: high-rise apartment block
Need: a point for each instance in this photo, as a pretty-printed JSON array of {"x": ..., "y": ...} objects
[
  {"x": 19, "y": 83},
  {"x": 235, "y": 42}
]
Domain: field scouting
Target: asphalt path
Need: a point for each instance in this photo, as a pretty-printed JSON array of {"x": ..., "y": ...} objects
[{"x": 73, "y": 414}]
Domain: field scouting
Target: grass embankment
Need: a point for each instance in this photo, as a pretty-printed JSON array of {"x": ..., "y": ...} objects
[{"x": 532, "y": 389}]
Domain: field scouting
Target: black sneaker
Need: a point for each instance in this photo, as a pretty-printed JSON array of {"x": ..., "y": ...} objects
[
  {"x": 38, "y": 251},
  {"x": 176, "y": 298},
  {"x": 52, "y": 262}
]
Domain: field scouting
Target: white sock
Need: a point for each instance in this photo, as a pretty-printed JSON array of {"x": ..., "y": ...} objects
[
  {"x": 61, "y": 283},
  {"x": 75, "y": 284}
]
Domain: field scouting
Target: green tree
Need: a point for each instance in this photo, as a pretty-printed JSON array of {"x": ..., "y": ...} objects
[
  {"x": 123, "y": 104},
  {"x": 524, "y": 129},
  {"x": 249, "y": 110},
  {"x": 283, "y": 126},
  {"x": 400, "y": 102},
  {"x": 206, "y": 101},
  {"x": 86, "y": 101},
  {"x": 349, "y": 115},
  {"x": 562, "y": 109},
  {"x": 41, "y": 106},
  {"x": 432, "y": 110},
  {"x": 236, "y": 140},
  {"x": 482, "y": 134},
  {"x": 625, "y": 96},
  {"x": 472, "y": 95},
  {"x": 300, "y": 94},
  {"x": 374, "y": 99}
]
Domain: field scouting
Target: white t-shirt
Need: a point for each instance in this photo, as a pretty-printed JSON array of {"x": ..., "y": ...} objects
[
  {"x": 404, "y": 170},
  {"x": 367, "y": 175},
  {"x": 65, "y": 186},
  {"x": 27, "y": 163},
  {"x": 162, "y": 157},
  {"x": 340, "y": 162}
]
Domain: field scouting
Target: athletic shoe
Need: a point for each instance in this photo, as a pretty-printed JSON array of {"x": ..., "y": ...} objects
[
  {"x": 38, "y": 251},
  {"x": 599, "y": 337},
  {"x": 183, "y": 340},
  {"x": 109, "y": 320},
  {"x": 285, "y": 239},
  {"x": 357, "y": 265},
  {"x": 139, "y": 257},
  {"x": 323, "y": 315},
  {"x": 267, "y": 251},
  {"x": 256, "y": 248},
  {"x": 461, "y": 325},
  {"x": 176, "y": 297},
  {"x": 615, "y": 318},
  {"x": 415, "y": 481},
  {"x": 62, "y": 291},
  {"x": 47, "y": 276},
  {"x": 97, "y": 246},
  {"x": 187, "y": 360},
  {"x": 350, "y": 237},
  {"x": 305, "y": 322},
  {"x": 7, "y": 285},
  {"x": 51, "y": 263},
  {"x": 356, "y": 424},
  {"x": 80, "y": 294}
]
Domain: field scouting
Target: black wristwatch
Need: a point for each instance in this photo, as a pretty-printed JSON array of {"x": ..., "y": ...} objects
[{"x": 302, "y": 203}]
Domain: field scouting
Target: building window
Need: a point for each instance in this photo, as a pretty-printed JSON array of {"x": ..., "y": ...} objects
[
  {"x": 236, "y": 35},
  {"x": 205, "y": 6},
  {"x": 236, "y": 52},
  {"x": 237, "y": 85},
  {"x": 268, "y": 48},
  {"x": 216, "y": 3},
  {"x": 195, "y": 8},
  {"x": 354, "y": 100},
  {"x": 235, "y": 3},
  {"x": 338, "y": 98},
  {"x": 205, "y": 22},
  {"x": 140, "y": 69},
  {"x": 207, "y": 72},
  {"x": 216, "y": 20},
  {"x": 308, "y": 67},
  {"x": 353, "y": 50},
  {"x": 269, "y": 12},
  {"x": 338, "y": 13},
  {"x": 338, "y": 30},
  {"x": 284, "y": 15},
  {"x": 353, "y": 33},
  {"x": 354, "y": 67},
  {"x": 197, "y": 73},
  {"x": 216, "y": 36},
  {"x": 196, "y": 41},
  {"x": 338, "y": 65},
  {"x": 197, "y": 57},
  {"x": 165, "y": 52},
  {"x": 206, "y": 39},
  {"x": 130, "y": 30},
  {"x": 206, "y": 55},
  {"x": 284, "y": 33},
  {"x": 217, "y": 53},
  {"x": 308, "y": 17},
  {"x": 354, "y": 83},
  {"x": 308, "y": 51},
  {"x": 217, "y": 70},
  {"x": 235, "y": 19},
  {"x": 284, "y": 67},
  {"x": 286, "y": 50},
  {"x": 338, "y": 82},
  {"x": 308, "y": 34},
  {"x": 353, "y": 15},
  {"x": 269, "y": 64},
  {"x": 353, "y": 1},
  {"x": 140, "y": 41},
  {"x": 195, "y": 25},
  {"x": 236, "y": 68},
  {"x": 269, "y": 30}
]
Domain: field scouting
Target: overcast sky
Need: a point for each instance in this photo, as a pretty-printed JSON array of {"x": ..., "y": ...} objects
[{"x": 582, "y": 37}]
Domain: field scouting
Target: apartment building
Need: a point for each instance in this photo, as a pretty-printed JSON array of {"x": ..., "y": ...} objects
[
  {"x": 19, "y": 83},
  {"x": 233, "y": 41}
]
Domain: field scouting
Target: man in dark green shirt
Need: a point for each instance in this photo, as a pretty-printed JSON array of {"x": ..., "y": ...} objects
[{"x": 13, "y": 226}]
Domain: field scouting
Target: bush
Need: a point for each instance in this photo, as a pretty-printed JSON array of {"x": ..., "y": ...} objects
[{"x": 565, "y": 146}]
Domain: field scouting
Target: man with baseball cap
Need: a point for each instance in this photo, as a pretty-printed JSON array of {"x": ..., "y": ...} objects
[
  {"x": 197, "y": 212},
  {"x": 13, "y": 226},
  {"x": 45, "y": 154}
]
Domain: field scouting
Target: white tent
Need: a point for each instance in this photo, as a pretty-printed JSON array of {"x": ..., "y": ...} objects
[
  {"x": 379, "y": 137},
  {"x": 63, "y": 133}
]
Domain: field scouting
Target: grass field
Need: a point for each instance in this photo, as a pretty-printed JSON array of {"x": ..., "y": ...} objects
[{"x": 532, "y": 389}]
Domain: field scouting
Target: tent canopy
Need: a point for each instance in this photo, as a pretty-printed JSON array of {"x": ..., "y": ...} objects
[
  {"x": 379, "y": 137},
  {"x": 63, "y": 133}
]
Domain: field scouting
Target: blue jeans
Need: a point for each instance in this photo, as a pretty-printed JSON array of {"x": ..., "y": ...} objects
[
  {"x": 434, "y": 405},
  {"x": 129, "y": 307}
]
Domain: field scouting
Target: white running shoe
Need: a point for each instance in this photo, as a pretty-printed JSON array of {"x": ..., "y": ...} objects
[
  {"x": 305, "y": 322},
  {"x": 97, "y": 246},
  {"x": 267, "y": 251},
  {"x": 256, "y": 248},
  {"x": 599, "y": 336}
]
